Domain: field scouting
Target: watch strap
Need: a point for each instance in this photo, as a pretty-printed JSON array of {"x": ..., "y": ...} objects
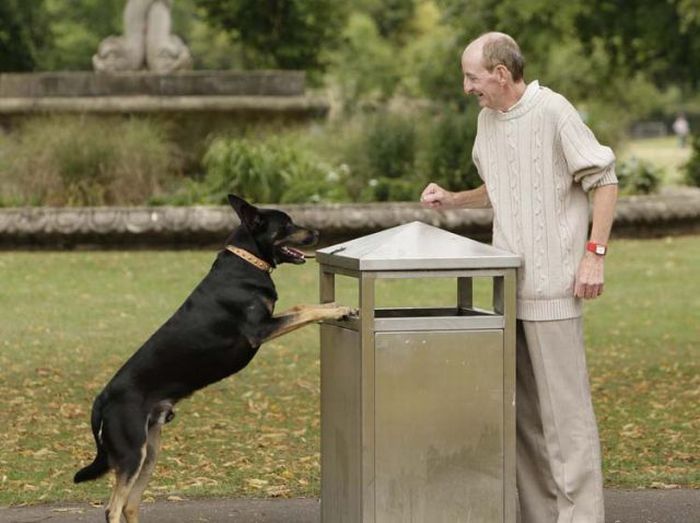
[{"x": 597, "y": 248}]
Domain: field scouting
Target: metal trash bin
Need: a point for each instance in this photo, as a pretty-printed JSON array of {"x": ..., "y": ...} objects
[{"x": 418, "y": 404}]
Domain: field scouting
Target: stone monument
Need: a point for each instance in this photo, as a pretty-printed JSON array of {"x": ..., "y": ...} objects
[
  {"x": 146, "y": 72},
  {"x": 147, "y": 42}
]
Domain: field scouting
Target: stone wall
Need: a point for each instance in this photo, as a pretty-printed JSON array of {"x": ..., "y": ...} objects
[
  {"x": 239, "y": 94},
  {"x": 144, "y": 83},
  {"x": 179, "y": 227}
]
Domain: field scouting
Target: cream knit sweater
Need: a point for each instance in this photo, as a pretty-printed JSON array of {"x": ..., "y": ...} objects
[{"x": 538, "y": 160}]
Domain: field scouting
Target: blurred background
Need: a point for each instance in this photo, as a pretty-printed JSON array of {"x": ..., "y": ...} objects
[{"x": 390, "y": 73}]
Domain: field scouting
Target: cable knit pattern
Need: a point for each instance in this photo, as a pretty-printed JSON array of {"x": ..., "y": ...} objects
[
  {"x": 513, "y": 180},
  {"x": 539, "y": 216},
  {"x": 538, "y": 160}
]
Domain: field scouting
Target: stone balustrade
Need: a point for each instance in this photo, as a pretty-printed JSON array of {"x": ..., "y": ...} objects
[
  {"x": 675, "y": 212},
  {"x": 191, "y": 93}
]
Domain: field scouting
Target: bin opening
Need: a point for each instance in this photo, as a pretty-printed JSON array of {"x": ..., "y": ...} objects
[{"x": 428, "y": 312}]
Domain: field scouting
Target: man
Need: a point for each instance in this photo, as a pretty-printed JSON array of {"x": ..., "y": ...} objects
[
  {"x": 681, "y": 128},
  {"x": 538, "y": 160}
]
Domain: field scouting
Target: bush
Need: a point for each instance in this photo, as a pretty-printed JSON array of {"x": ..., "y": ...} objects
[
  {"x": 637, "y": 176},
  {"x": 692, "y": 168},
  {"x": 382, "y": 155},
  {"x": 72, "y": 160},
  {"x": 390, "y": 146},
  {"x": 273, "y": 171},
  {"x": 448, "y": 154},
  {"x": 392, "y": 156}
]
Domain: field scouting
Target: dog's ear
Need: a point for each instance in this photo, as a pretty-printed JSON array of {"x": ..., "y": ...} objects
[{"x": 248, "y": 214}]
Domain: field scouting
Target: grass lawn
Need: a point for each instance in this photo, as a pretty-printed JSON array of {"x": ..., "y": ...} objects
[
  {"x": 68, "y": 321},
  {"x": 662, "y": 152}
]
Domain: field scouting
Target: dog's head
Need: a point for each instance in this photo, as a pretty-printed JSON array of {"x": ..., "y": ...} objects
[{"x": 273, "y": 231}]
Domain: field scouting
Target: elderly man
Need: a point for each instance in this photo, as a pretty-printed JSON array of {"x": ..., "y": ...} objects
[{"x": 538, "y": 161}]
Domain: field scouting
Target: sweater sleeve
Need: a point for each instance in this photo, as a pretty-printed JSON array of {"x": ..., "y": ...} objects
[
  {"x": 591, "y": 164},
  {"x": 475, "y": 161}
]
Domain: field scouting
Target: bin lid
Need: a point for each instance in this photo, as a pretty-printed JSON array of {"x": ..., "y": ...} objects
[{"x": 415, "y": 246}]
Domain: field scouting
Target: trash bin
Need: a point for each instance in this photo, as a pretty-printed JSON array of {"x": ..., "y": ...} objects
[{"x": 418, "y": 403}]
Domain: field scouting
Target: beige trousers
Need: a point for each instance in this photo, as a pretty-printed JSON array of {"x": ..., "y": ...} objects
[{"x": 559, "y": 474}]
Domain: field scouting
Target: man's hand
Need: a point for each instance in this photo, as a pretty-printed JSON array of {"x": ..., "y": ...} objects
[
  {"x": 590, "y": 276},
  {"x": 435, "y": 197}
]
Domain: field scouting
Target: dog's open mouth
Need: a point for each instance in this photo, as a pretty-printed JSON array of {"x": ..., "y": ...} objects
[{"x": 291, "y": 254}]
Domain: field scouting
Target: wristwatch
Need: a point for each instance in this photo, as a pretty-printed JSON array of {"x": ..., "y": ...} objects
[{"x": 597, "y": 248}]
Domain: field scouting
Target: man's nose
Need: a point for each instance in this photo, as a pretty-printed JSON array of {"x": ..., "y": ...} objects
[{"x": 467, "y": 86}]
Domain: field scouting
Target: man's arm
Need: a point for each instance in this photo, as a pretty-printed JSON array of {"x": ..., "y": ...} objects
[
  {"x": 590, "y": 275},
  {"x": 435, "y": 197}
]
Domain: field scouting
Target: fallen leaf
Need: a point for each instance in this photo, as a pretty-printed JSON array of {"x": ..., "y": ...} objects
[{"x": 257, "y": 483}]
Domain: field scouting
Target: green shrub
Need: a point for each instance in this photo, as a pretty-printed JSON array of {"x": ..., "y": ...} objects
[
  {"x": 320, "y": 186},
  {"x": 272, "y": 171},
  {"x": 84, "y": 161},
  {"x": 393, "y": 156},
  {"x": 448, "y": 151},
  {"x": 382, "y": 157},
  {"x": 637, "y": 176},
  {"x": 390, "y": 146},
  {"x": 253, "y": 170},
  {"x": 692, "y": 168},
  {"x": 390, "y": 190}
]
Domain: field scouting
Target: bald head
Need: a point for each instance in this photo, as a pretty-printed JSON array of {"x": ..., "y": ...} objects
[{"x": 495, "y": 49}]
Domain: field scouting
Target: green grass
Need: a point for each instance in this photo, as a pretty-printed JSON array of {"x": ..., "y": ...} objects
[
  {"x": 68, "y": 320},
  {"x": 662, "y": 152}
]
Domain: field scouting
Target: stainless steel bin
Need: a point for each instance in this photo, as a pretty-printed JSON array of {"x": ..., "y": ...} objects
[{"x": 418, "y": 404}]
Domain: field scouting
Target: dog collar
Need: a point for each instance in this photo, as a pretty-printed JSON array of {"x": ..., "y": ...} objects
[{"x": 250, "y": 258}]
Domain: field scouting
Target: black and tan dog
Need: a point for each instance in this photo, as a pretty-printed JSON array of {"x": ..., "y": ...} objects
[{"x": 214, "y": 334}]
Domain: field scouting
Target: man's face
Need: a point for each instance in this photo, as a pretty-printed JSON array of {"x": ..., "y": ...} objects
[{"x": 479, "y": 82}]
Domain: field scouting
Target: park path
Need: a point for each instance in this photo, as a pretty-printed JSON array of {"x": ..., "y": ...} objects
[{"x": 622, "y": 506}]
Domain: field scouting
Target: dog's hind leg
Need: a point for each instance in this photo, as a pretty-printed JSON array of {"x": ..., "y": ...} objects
[
  {"x": 124, "y": 433},
  {"x": 125, "y": 478},
  {"x": 131, "y": 510}
]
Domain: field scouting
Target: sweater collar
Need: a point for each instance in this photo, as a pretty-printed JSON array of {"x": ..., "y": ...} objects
[{"x": 526, "y": 102}]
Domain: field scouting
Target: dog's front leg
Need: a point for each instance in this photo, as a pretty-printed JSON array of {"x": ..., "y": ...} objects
[{"x": 302, "y": 315}]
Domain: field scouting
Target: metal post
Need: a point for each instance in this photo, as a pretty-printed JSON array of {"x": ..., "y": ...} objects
[
  {"x": 367, "y": 295},
  {"x": 504, "y": 304},
  {"x": 465, "y": 293},
  {"x": 326, "y": 286}
]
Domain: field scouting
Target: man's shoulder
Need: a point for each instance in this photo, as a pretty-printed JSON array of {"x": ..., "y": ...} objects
[
  {"x": 556, "y": 106},
  {"x": 555, "y": 101}
]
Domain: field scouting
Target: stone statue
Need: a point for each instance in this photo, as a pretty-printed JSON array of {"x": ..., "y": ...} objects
[{"x": 146, "y": 42}]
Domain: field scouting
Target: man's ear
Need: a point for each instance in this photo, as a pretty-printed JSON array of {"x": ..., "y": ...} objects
[
  {"x": 247, "y": 213},
  {"x": 503, "y": 73}
]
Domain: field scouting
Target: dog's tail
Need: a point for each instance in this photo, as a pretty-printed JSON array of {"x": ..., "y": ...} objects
[{"x": 100, "y": 465}]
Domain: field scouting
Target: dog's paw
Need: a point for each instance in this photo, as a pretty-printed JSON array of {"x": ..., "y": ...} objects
[{"x": 345, "y": 313}]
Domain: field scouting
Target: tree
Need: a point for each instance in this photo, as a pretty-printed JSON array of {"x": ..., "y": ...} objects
[
  {"x": 76, "y": 30},
  {"x": 393, "y": 18},
  {"x": 661, "y": 38},
  {"x": 286, "y": 34},
  {"x": 22, "y": 33},
  {"x": 606, "y": 56}
]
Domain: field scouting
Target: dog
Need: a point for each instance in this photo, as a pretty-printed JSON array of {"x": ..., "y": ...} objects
[{"x": 215, "y": 333}]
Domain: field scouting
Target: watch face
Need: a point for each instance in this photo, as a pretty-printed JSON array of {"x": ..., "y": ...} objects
[{"x": 600, "y": 249}]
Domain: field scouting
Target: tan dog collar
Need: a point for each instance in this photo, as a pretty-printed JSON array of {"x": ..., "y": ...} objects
[{"x": 250, "y": 258}]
